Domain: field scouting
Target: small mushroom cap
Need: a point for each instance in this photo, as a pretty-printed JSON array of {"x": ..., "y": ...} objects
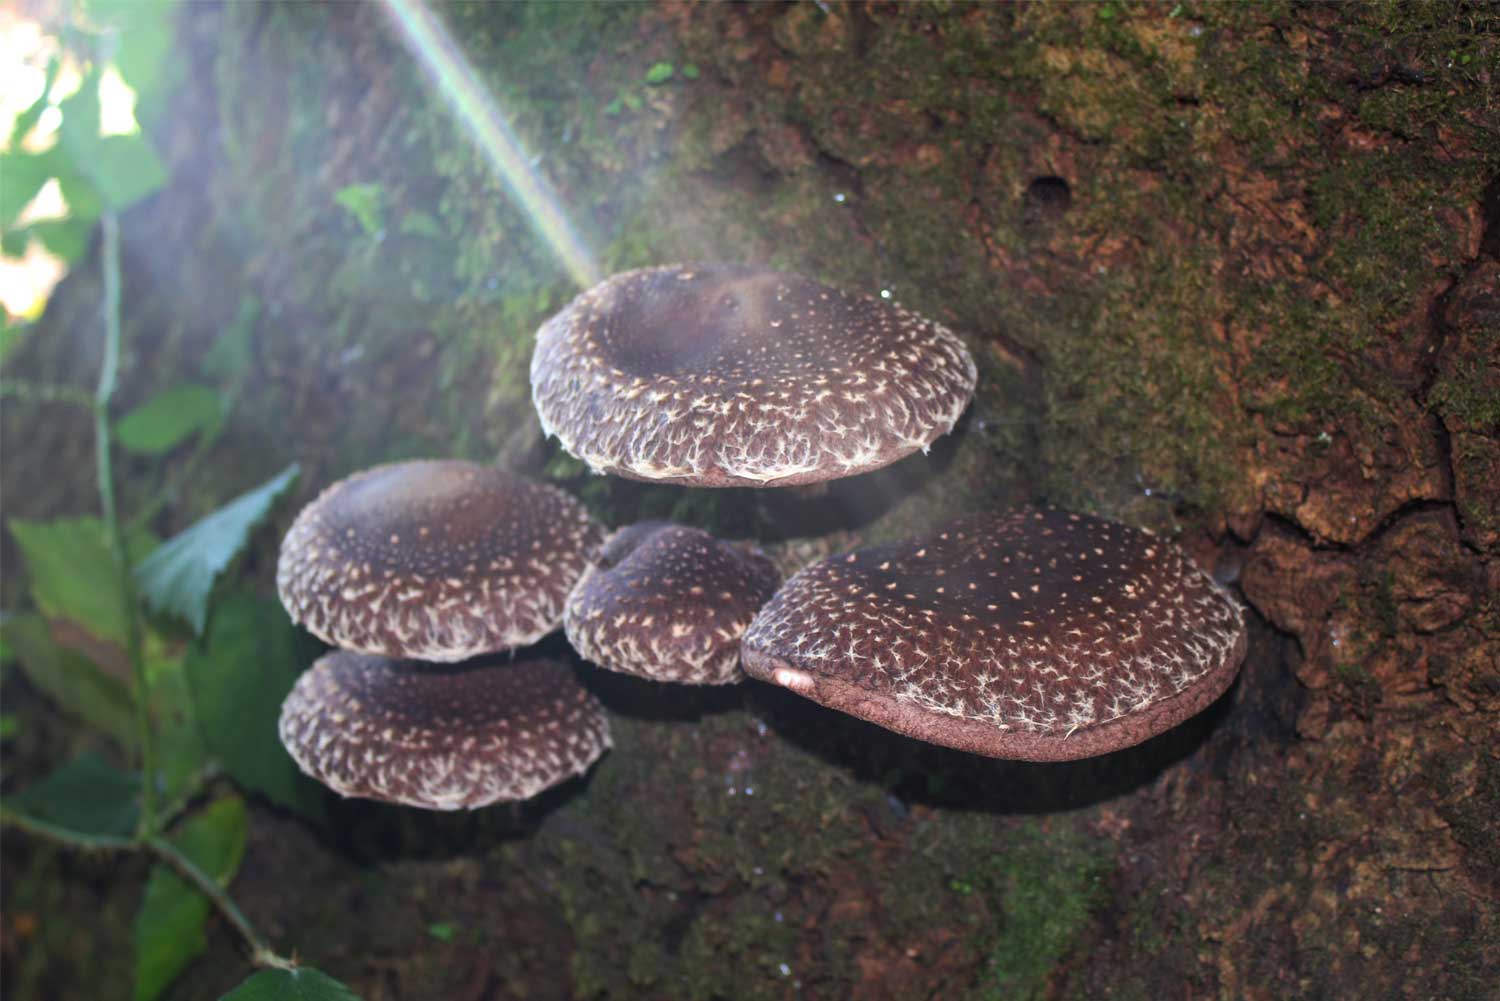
[
  {"x": 1037, "y": 635},
  {"x": 669, "y": 603},
  {"x": 441, "y": 737},
  {"x": 436, "y": 559},
  {"x": 717, "y": 376}
]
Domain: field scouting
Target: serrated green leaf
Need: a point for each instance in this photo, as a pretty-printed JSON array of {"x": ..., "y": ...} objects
[
  {"x": 364, "y": 203},
  {"x": 302, "y": 984},
  {"x": 86, "y": 795},
  {"x": 165, "y": 420},
  {"x": 239, "y": 674},
  {"x": 169, "y": 927},
  {"x": 70, "y": 679},
  {"x": 178, "y": 578},
  {"x": 659, "y": 73},
  {"x": 73, "y": 574}
]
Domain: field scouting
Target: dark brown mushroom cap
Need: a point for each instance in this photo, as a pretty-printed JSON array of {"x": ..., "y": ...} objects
[
  {"x": 1037, "y": 635},
  {"x": 438, "y": 560},
  {"x": 441, "y": 737},
  {"x": 718, "y": 376},
  {"x": 669, "y": 603}
]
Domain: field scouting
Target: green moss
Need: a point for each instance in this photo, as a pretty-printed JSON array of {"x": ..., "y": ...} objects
[
  {"x": 1044, "y": 888},
  {"x": 702, "y": 876},
  {"x": 1465, "y": 395}
]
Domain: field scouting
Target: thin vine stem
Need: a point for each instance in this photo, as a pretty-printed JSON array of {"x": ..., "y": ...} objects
[
  {"x": 108, "y": 374},
  {"x": 262, "y": 953},
  {"x": 47, "y": 392},
  {"x": 64, "y": 835}
]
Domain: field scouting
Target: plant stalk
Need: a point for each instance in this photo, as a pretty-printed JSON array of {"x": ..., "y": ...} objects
[
  {"x": 263, "y": 954},
  {"x": 108, "y": 374},
  {"x": 63, "y": 835},
  {"x": 46, "y": 392}
]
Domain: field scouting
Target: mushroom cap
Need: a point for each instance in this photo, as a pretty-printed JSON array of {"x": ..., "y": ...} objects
[
  {"x": 669, "y": 603},
  {"x": 441, "y": 737},
  {"x": 436, "y": 559},
  {"x": 1037, "y": 635},
  {"x": 722, "y": 375}
]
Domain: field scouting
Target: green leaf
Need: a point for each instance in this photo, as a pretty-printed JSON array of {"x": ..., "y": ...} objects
[
  {"x": 73, "y": 574},
  {"x": 127, "y": 170},
  {"x": 67, "y": 238},
  {"x": 70, "y": 679},
  {"x": 86, "y": 795},
  {"x": 15, "y": 242},
  {"x": 12, "y": 332},
  {"x": 78, "y": 135},
  {"x": 178, "y": 578},
  {"x": 169, "y": 927},
  {"x": 363, "y": 202},
  {"x": 239, "y": 674},
  {"x": 690, "y": 71},
  {"x": 84, "y": 202},
  {"x": 419, "y": 223},
  {"x": 443, "y": 931},
  {"x": 231, "y": 353},
  {"x": 160, "y": 423},
  {"x": 180, "y": 749},
  {"x": 24, "y": 174},
  {"x": 659, "y": 73},
  {"x": 146, "y": 45},
  {"x": 26, "y": 120},
  {"x": 302, "y": 984}
]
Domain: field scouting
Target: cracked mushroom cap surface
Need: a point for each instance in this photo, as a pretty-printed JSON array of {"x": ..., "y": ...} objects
[
  {"x": 441, "y": 737},
  {"x": 1037, "y": 635},
  {"x": 669, "y": 603},
  {"x": 722, "y": 375},
  {"x": 438, "y": 560}
]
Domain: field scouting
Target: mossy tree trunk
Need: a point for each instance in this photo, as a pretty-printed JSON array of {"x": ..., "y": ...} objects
[{"x": 1231, "y": 273}]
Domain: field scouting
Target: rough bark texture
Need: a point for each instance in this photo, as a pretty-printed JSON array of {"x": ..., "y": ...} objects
[{"x": 1231, "y": 273}]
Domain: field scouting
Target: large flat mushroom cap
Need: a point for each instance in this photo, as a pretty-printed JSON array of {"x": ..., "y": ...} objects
[
  {"x": 1037, "y": 635},
  {"x": 669, "y": 603},
  {"x": 441, "y": 737},
  {"x": 435, "y": 559},
  {"x": 720, "y": 375}
]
